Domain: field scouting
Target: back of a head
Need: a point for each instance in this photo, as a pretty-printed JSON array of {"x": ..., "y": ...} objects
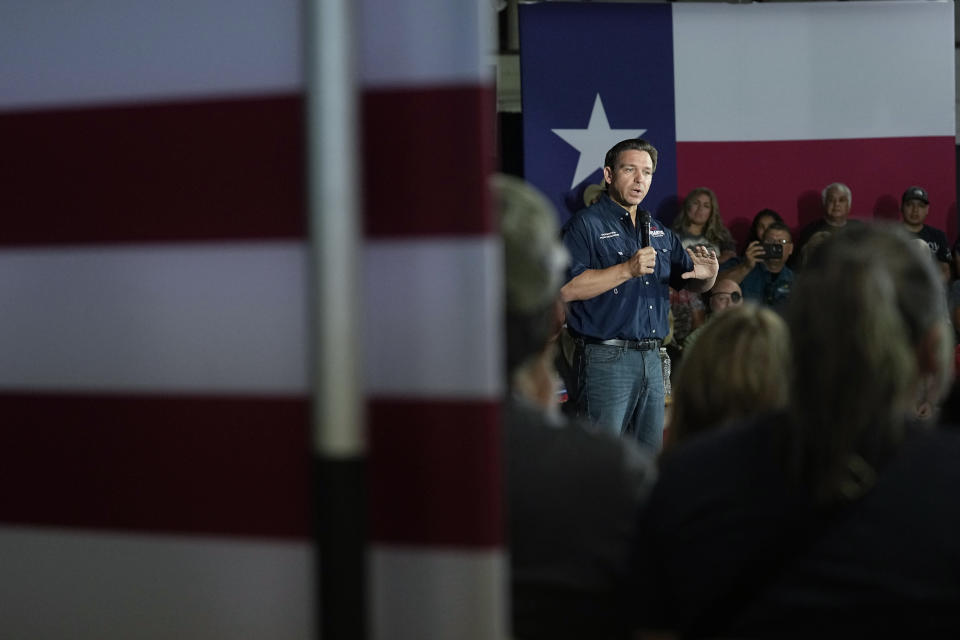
[
  {"x": 866, "y": 303},
  {"x": 813, "y": 242},
  {"x": 534, "y": 260},
  {"x": 738, "y": 367}
]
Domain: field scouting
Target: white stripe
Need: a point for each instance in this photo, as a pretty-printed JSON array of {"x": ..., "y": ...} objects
[
  {"x": 426, "y": 594},
  {"x": 231, "y": 318},
  {"x": 434, "y": 316},
  {"x": 80, "y": 585},
  {"x": 425, "y": 42},
  {"x": 198, "y": 318},
  {"x": 54, "y": 53},
  {"x": 819, "y": 70}
]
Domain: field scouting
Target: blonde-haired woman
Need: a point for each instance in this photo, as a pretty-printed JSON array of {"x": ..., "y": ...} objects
[
  {"x": 699, "y": 222},
  {"x": 738, "y": 367}
]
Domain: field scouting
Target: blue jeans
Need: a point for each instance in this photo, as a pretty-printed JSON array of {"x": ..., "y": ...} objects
[{"x": 622, "y": 391}]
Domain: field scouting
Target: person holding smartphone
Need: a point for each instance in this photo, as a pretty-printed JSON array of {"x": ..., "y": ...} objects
[{"x": 762, "y": 272}]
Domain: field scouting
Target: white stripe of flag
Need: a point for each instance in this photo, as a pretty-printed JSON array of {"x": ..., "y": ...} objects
[
  {"x": 95, "y": 585},
  {"x": 134, "y": 50},
  {"x": 885, "y": 44},
  {"x": 230, "y": 318}
]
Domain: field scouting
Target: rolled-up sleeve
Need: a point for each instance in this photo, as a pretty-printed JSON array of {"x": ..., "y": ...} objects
[{"x": 576, "y": 240}]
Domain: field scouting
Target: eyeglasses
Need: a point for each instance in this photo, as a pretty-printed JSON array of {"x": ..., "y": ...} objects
[{"x": 734, "y": 296}]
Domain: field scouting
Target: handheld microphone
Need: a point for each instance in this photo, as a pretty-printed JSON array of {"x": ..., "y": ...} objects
[{"x": 644, "y": 229}]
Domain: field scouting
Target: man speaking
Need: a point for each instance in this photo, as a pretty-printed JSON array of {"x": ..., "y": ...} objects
[{"x": 618, "y": 295}]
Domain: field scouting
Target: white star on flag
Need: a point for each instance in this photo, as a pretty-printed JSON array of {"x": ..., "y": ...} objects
[{"x": 594, "y": 141}]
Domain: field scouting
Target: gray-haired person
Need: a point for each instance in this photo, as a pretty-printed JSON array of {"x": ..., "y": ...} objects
[{"x": 837, "y": 201}]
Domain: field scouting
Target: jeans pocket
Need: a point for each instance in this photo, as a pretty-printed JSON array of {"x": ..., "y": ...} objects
[{"x": 602, "y": 353}]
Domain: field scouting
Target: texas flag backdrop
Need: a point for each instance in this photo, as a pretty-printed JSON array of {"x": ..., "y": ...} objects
[{"x": 765, "y": 104}]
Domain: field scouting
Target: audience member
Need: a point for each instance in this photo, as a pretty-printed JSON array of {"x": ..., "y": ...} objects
[
  {"x": 837, "y": 201},
  {"x": 725, "y": 294},
  {"x": 762, "y": 273},
  {"x": 592, "y": 193},
  {"x": 953, "y": 306},
  {"x": 761, "y": 221},
  {"x": 738, "y": 368},
  {"x": 699, "y": 223},
  {"x": 687, "y": 314},
  {"x": 811, "y": 245},
  {"x": 836, "y": 517},
  {"x": 572, "y": 493},
  {"x": 914, "y": 207}
]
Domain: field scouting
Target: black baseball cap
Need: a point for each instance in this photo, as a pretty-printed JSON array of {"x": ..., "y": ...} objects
[{"x": 915, "y": 193}]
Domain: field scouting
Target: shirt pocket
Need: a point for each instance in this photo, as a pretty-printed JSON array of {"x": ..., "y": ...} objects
[
  {"x": 664, "y": 263},
  {"x": 611, "y": 253}
]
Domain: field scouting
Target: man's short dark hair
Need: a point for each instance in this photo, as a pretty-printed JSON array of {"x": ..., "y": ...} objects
[
  {"x": 778, "y": 226},
  {"x": 631, "y": 144}
]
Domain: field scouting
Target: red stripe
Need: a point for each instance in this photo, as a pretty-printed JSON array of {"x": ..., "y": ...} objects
[
  {"x": 426, "y": 157},
  {"x": 788, "y": 176},
  {"x": 435, "y": 473},
  {"x": 223, "y": 169},
  {"x": 209, "y": 465}
]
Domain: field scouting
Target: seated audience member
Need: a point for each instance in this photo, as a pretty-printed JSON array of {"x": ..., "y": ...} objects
[
  {"x": 572, "y": 492},
  {"x": 687, "y": 314},
  {"x": 835, "y": 517},
  {"x": 592, "y": 193},
  {"x": 761, "y": 221},
  {"x": 811, "y": 245},
  {"x": 953, "y": 302},
  {"x": 739, "y": 367},
  {"x": 725, "y": 294},
  {"x": 699, "y": 223},
  {"x": 914, "y": 208},
  {"x": 837, "y": 200},
  {"x": 762, "y": 273}
]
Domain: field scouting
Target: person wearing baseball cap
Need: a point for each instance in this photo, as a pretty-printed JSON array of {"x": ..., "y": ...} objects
[{"x": 914, "y": 207}]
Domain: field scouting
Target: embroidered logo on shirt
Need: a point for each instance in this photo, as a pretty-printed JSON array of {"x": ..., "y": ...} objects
[
  {"x": 609, "y": 234},
  {"x": 657, "y": 233}
]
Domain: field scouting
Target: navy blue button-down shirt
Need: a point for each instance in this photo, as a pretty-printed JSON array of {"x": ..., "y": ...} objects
[{"x": 602, "y": 236}]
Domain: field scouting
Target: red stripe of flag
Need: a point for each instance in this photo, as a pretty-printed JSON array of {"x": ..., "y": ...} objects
[
  {"x": 435, "y": 477},
  {"x": 180, "y": 464},
  {"x": 427, "y": 154},
  {"x": 199, "y": 170}
]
